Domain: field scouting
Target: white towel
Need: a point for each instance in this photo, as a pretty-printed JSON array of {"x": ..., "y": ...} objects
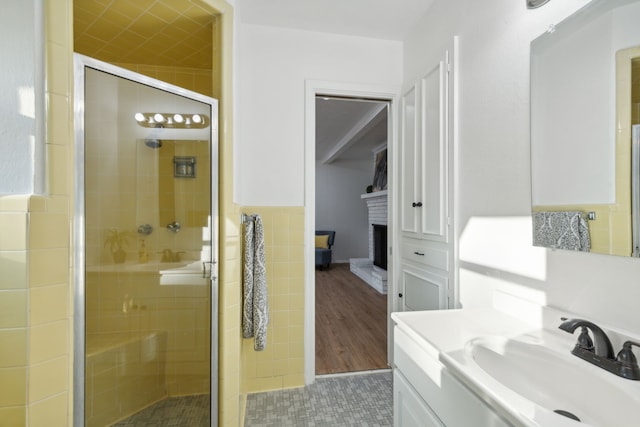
[
  {"x": 561, "y": 230},
  {"x": 255, "y": 312}
]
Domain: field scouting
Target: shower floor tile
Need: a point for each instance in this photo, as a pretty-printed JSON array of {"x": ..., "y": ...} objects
[
  {"x": 351, "y": 400},
  {"x": 192, "y": 411}
]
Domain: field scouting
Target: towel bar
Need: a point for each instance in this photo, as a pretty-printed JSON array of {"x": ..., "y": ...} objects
[{"x": 244, "y": 218}]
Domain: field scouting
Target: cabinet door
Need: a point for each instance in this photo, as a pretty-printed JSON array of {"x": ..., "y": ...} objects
[
  {"x": 434, "y": 159},
  {"x": 409, "y": 410},
  {"x": 424, "y": 160},
  {"x": 423, "y": 290},
  {"x": 409, "y": 162}
]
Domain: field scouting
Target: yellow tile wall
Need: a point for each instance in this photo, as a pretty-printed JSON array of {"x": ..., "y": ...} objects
[
  {"x": 281, "y": 364},
  {"x": 14, "y": 331},
  {"x": 195, "y": 79}
]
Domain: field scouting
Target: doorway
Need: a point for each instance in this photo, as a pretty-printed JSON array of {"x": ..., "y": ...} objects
[
  {"x": 314, "y": 170},
  {"x": 145, "y": 228}
]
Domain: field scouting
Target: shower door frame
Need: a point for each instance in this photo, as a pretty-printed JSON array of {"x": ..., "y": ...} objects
[{"x": 81, "y": 62}]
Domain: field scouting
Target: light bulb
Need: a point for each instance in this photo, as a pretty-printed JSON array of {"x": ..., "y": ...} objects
[
  {"x": 178, "y": 118},
  {"x": 196, "y": 118},
  {"x": 159, "y": 117},
  {"x": 139, "y": 117}
]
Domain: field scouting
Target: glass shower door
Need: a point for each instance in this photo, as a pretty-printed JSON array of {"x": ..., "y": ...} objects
[{"x": 147, "y": 209}]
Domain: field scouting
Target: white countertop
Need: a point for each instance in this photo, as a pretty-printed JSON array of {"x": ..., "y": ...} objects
[{"x": 445, "y": 334}]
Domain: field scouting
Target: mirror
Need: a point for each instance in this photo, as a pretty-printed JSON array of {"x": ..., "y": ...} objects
[{"x": 585, "y": 98}]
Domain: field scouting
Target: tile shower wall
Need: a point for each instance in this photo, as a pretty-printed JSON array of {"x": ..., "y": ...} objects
[
  {"x": 195, "y": 79},
  {"x": 281, "y": 364}
]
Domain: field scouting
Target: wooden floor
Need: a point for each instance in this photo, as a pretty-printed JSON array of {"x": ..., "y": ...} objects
[{"x": 351, "y": 323}]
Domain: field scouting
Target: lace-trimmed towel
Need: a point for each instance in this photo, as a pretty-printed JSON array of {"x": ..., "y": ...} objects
[
  {"x": 255, "y": 310},
  {"x": 561, "y": 230}
]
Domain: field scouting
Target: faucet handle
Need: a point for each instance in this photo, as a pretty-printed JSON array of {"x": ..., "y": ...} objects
[
  {"x": 626, "y": 356},
  {"x": 584, "y": 340},
  {"x": 628, "y": 364}
]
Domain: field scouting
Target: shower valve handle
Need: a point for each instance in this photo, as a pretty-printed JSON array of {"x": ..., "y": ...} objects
[{"x": 174, "y": 226}]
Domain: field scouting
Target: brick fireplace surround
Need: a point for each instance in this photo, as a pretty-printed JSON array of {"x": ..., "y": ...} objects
[{"x": 363, "y": 267}]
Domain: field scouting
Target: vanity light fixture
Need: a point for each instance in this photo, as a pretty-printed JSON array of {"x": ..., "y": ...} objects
[
  {"x": 533, "y": 4},
  {"x": 172, "y": 120}
]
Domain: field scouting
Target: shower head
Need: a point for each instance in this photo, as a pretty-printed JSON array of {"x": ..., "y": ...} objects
[{"x": 153, "y": 143}]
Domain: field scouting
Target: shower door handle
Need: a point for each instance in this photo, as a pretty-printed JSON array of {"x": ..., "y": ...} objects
[{"x": 206, "y": 273}]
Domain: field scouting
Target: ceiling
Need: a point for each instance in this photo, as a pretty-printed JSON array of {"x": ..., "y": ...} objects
[
  {"x": 349, "y": 129},
  {"x": 382, "y": 19},
  {"x": 152, "y": 32}
]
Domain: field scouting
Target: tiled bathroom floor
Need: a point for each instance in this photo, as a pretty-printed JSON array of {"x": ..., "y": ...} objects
[
  {"x": 363, "y": 400},
  {"x": 192, "y": 411}
]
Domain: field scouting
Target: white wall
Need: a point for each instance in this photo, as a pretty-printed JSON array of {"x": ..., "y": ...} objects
[
  {"x": 21, "y": 97},
  {"x": 340, "y": 208},
  {"x": 273, "y": 65},
  {"x": 494, "y": 172}
]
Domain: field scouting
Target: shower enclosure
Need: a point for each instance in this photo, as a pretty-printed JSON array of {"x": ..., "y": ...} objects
[{"x": 146, "y": 244}]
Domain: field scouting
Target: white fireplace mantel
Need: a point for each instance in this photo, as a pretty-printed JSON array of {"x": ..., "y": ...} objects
[{"x": 383, "y": 193}]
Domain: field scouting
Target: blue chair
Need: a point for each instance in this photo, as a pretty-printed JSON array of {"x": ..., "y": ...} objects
[{"x": 323, "y": 255}]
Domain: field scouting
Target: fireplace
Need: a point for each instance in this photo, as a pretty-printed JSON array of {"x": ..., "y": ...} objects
[
  {"x": 380, "y": 246},
  {"x": 373, "y": 269}
]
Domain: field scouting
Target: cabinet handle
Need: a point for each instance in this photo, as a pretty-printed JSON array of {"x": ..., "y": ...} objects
[
  {"x": 419, "y": 253},
  {"x": 400, "y": 295},
  {"x": 416, "y": 204}
]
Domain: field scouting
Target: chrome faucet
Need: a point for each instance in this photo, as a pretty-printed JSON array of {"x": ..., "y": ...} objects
[{"x": 600, "y": 351}]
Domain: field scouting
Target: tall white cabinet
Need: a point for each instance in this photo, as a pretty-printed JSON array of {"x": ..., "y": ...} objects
[{"x": 426, "y": 188}]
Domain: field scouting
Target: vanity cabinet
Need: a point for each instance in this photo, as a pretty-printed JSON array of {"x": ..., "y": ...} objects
[
  {"x": 409, "y": 410},
  {"x": 427, "y": 394},
  {"x": 425, "y": 188}
]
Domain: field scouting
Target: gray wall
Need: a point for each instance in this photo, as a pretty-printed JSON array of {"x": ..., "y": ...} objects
[{"x": 340, "y": 208}]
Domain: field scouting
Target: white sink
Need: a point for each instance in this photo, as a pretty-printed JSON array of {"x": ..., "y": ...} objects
[{"x": 542, "y": 370}]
